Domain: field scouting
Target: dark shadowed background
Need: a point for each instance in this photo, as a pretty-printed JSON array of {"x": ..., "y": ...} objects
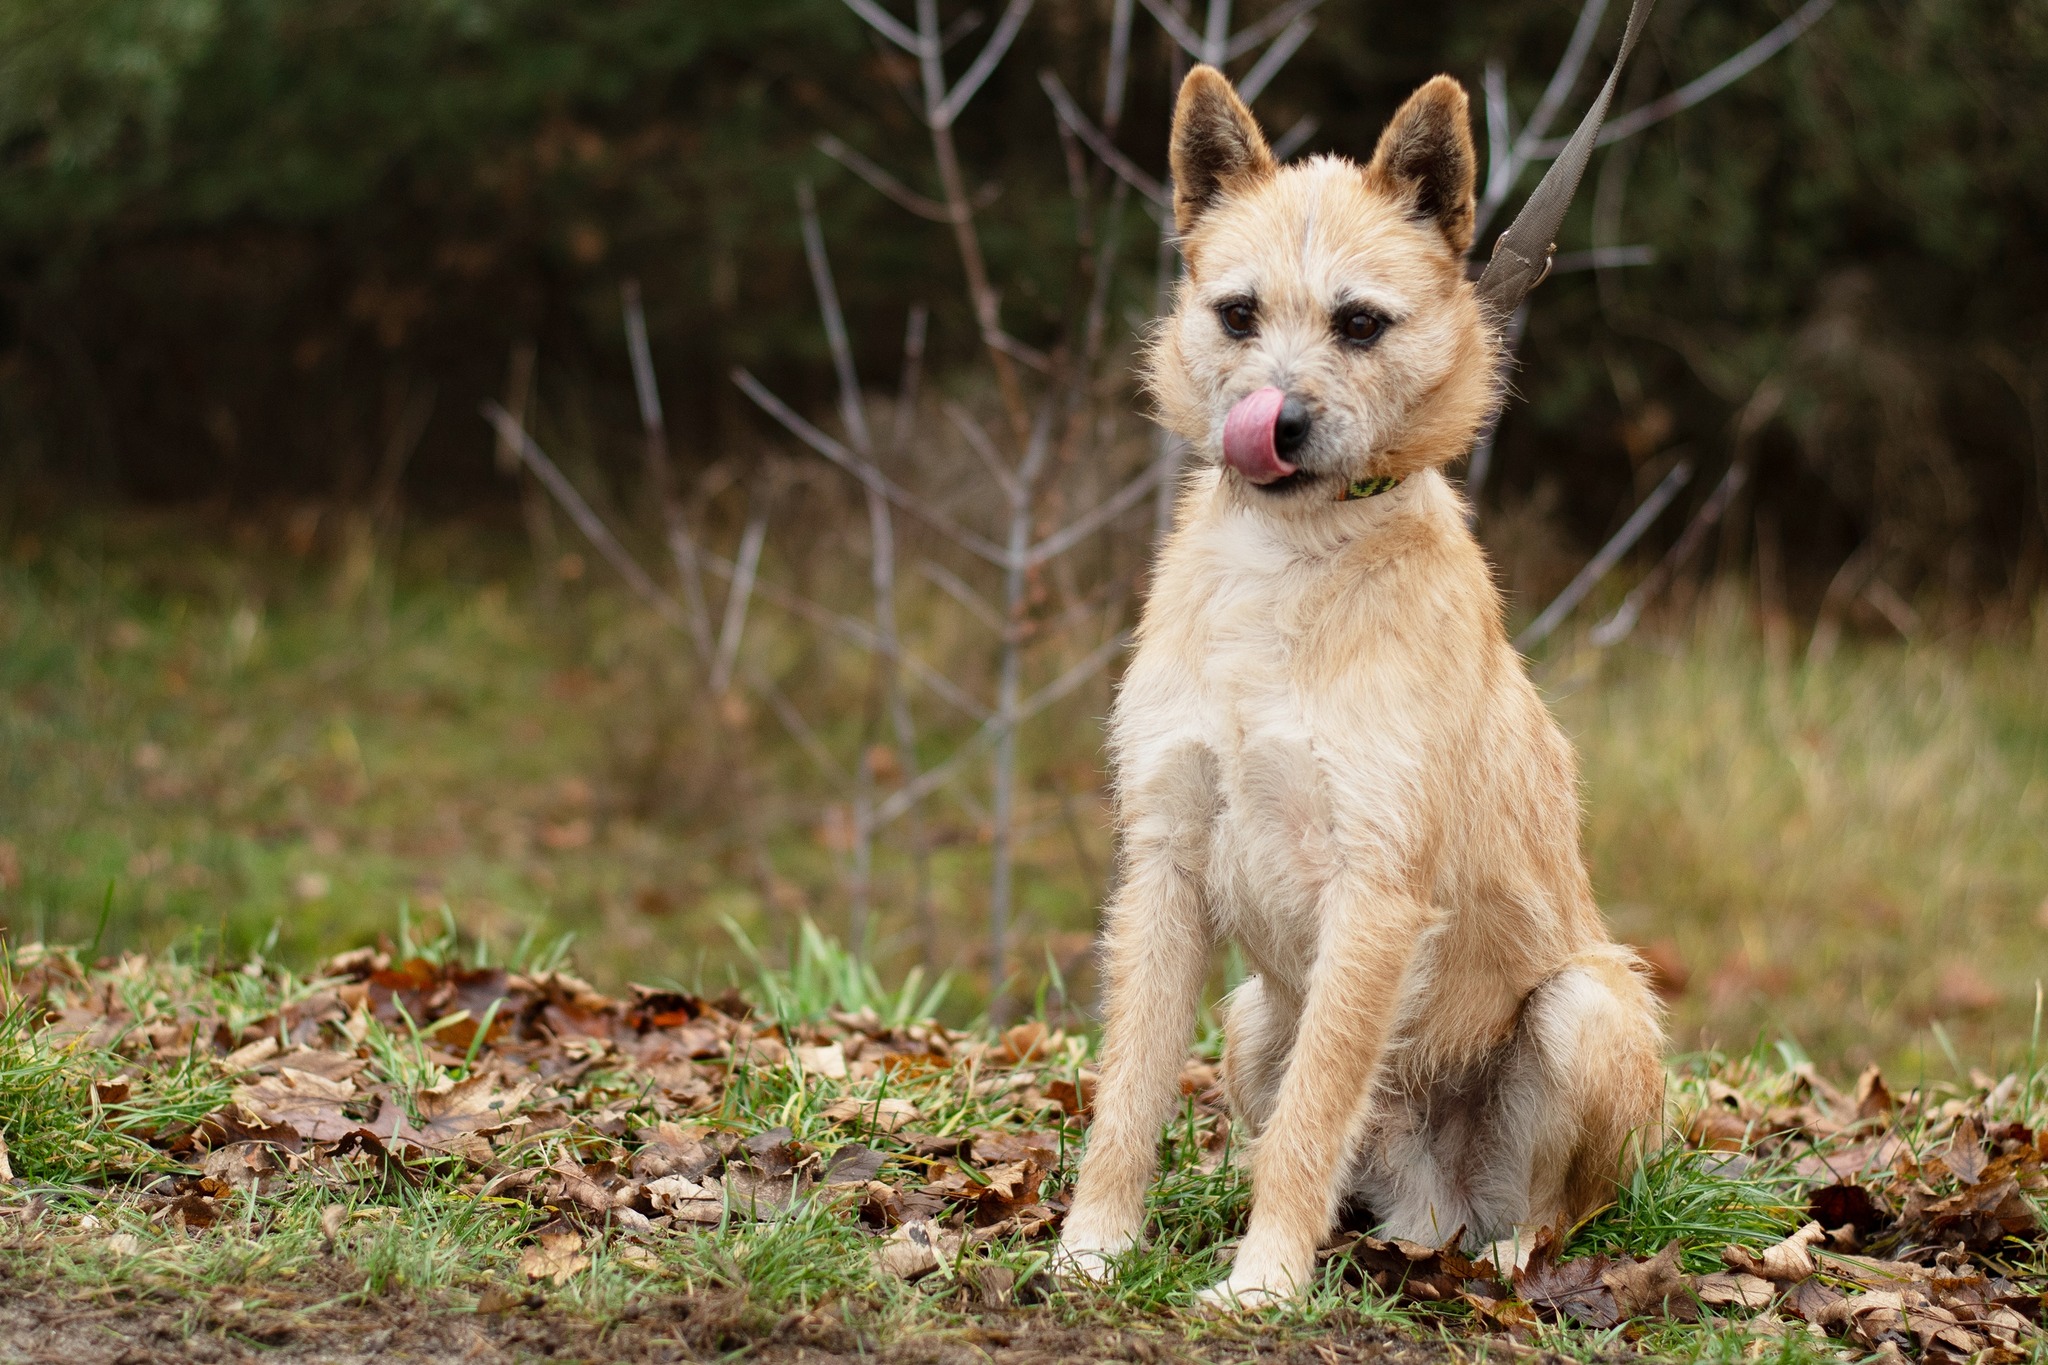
[{"x": 232, "y": 231}]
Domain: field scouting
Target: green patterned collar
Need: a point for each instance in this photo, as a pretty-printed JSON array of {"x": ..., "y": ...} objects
[{"x": 1366, "y": 488}]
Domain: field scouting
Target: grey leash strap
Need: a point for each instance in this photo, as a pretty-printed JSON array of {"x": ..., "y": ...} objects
[{"x": 1521, "y": 258}]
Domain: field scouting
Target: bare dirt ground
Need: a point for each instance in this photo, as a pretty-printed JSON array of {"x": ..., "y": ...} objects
[{"x": 130, "y": 1327}]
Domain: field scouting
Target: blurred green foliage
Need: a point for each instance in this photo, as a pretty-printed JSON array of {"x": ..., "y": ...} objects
[{"x": 233, "y": 232}]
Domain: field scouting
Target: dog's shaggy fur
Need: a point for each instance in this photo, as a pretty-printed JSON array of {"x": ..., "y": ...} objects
[{"x": 1327, "y": 751}]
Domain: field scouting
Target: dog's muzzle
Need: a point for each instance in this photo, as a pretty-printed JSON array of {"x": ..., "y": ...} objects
[{"x": 1261, "y": 431}]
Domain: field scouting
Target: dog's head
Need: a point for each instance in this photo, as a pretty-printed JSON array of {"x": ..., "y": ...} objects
[{"x": 1325, "y": 331}]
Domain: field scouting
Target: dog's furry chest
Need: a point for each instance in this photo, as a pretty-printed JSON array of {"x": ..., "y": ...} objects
[{"x": 1237, "y": 721}]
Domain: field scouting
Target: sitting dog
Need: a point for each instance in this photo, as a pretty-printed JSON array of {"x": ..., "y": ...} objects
[{"x": 1327, "y": 752}]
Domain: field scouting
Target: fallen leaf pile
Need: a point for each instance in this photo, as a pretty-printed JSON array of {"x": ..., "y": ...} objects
[
  {"x": 606, "y": 1115},
  {"x": 619, "y": 1122},
  {"x": 1936, "y": 1255}
]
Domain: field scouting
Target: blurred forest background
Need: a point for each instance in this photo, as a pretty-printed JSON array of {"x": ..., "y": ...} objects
[{"x": 293, "y": 637}]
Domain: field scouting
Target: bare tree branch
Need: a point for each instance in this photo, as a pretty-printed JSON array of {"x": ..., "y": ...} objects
[
  {"x": 1603, "y": 258},
  {"x": 1551, "y": 102},
  {"x": 1500, "y": 134},
  {"x": 957, "y": 588},
  {"x": 1175, "y": 26},
  {"x": 1216, "y": 33},
  {"x": 1126, "y": 169},
  {"x": 908, "y": 795},
  {"x": 1254, "y": 82},
  {"x": 1017, "y": 350},
  {"x": 978, "y": 441},
  {"x": 1292, "y": 141},
  {"x": 682, "y": 546},
  {"x": 1616, "y": 628},
  {"x": 946, "y": 157},
  {"x": 1072, "y": 534},
  {"x": 738, "y": 597},
  {"x": 587, "y": 521},
  {"x": 1251, "y": 35},
  {"x": 1610, "y": 555},
  {"x": 1502, "y": 176},
  {"x": 984, "y": 64},
  {"x": 914, "y": 330},
  {"x": 886, "y": 24},
  {"x": 852, "y": 413},
  {"x": 799, "y": 728},
  {"x": 1726, "y": 74},
  {"x": 883, "y": 182},
  {"x": 856, "y": 632},
  {"x": 1114, "y": 81},
  {"x": 865, "y": 471}
]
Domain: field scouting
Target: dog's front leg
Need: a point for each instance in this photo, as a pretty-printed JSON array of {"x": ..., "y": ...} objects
[
  {"x": 1156, "y": 952},
  {"x": 1300, "y": 1159}
]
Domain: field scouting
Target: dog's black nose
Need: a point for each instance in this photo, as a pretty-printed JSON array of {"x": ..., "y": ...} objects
[{"x": 1290, "y": 428}]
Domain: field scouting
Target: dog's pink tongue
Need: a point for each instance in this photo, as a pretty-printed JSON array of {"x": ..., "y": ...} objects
[{"x": 1248, "y": 437}]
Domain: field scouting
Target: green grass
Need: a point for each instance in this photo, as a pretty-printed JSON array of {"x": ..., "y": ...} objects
[
  {"x": 229, "y": 744},
  {"x": 1847, "y": 854},
  {"x": 343, "y": 1235}
]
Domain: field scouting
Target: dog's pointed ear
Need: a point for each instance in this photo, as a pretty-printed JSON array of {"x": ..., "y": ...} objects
[
  {"x": 1426, "y": 156},
  {"x": 1217, "y": 146}
]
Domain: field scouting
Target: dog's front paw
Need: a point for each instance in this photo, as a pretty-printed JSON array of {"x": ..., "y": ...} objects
[
  {"x": 1093, "y": 1237},
  {"x": 1083, "y": 1263},
  {"x": 1251, "y": 1286}
]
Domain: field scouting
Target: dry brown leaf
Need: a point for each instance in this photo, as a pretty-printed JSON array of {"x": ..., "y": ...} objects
[
  {"x": 853, "y": 1164},
  {"x": 1076, "y": 1098},
  {"x": 1721, "y": 1290},
  {"x": 828, "y": 1061},
  {"x": 331, "y": 1219},
  {"x": 1026, "y": 1042},
  {"x": 686, "y": 1200},
  {"x": 1568, "y": 1289},
  {"x": 1964, "y": 1154},
  {"x": 1979, "y": 1217},
  {"x": 1873, "y": 1098},
  {"x": 1786, "y": 1263},
  {"x": 1652, "y": 1288},
  {"x": 240, "y": 1164},
  {"x": 1847, "y": 1205},
  {"x": 558, "y": 1257},
  {"x": 670, "y": 1149},
  {"x": 457, "y": 1117},
  {"x": 309, "y": 1105},
  {"x": 579, "y": 1185},
  {"x": 917, "y": 1249},
  {"x": 333, "y": 1066},
  {"x": 1817, "y": 1302},
  {"x": 246, "y": 1058},
  {"x": 887, "y": 1115},
  {"x": 636, "y": 1257}
]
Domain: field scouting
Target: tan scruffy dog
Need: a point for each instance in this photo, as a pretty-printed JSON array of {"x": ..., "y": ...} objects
[{"x": 1327, "y": 751}]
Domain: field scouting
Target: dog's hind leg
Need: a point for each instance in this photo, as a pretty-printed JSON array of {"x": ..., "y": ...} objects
[
  {"x": 1258, "y": 1034},
  {"x": 1578, "y": 1105}
]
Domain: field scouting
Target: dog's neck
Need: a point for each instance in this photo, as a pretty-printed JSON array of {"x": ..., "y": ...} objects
[{"x": 1422, "y": 506}]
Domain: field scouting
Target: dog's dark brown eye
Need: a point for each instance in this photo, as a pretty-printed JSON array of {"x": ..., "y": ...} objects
[
  {"x": 1237, "y": 318},
  {"x": 1360, "y": 326}
]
